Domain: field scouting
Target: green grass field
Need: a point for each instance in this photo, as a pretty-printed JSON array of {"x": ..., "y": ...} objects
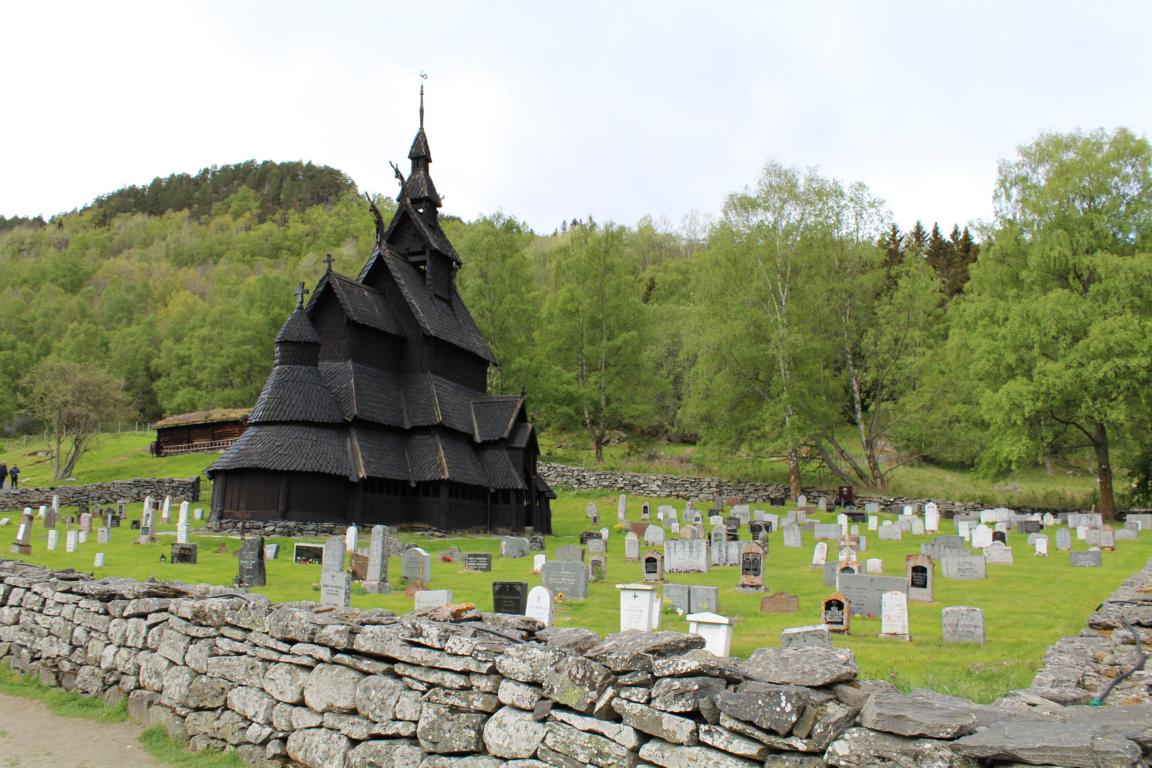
[{"x": 1027, "y": 606}]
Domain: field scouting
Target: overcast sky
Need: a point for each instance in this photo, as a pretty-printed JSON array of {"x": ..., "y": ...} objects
[{"x": 550, "y": 111}]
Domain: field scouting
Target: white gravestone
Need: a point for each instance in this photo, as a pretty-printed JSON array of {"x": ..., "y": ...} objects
[
  {"x": 98, "y": 561},
  {"x": 894, "y": 615},
  {"x": 874, "y": 566},
  {"x": 639, "y": 606},
  {"x": 166, "y": 509},
  {"x": 351, "y": 538},
  {"x": 539, "y": 605},
  {"x": 53, "y": 539},
  {"x": 432, "y": 598},
  {"x": 981, "y": 536},
  {"x": 715, "y": 629},
  {"x": 842, "y": 521},
  {"x": 538, "y": 563},
  {"x": 820, "y": 553},
  {"x": 931, "y": 517},
  {"x": 622, "y": 508},
  {"x": 1041, "y": 545},
  {"x": 70, "y": 541},
  {"x": 873, "y": 523},
  {"x": 82, "y": 536}
]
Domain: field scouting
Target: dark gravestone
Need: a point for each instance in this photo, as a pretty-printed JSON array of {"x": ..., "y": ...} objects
[
  {"x": 252, "y": 562},
  {"x": 586, "y": 535},
  {"x": 509, "y": 597},
  {"x": 184, "y": 553},
  {"x": 677, "y": 596},
  {"x": 135, "y": 525},
  {"x": 758, "y": 528},
  {"x": 358, "y": 566},
  {"x": 1028, "y": 526},
  {"x": 1000, "y": 536},
  {"x": 115, "y": 521},
  {"x": 777, "y": 501},
  {"x": 568, "y": 578},
  {"x": 481, "y": 562},
  {"x": 308, "y": 554},
  {"x": 536, "y": 543}
]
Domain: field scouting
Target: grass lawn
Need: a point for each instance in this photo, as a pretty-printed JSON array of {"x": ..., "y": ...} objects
[{"x": 1027, "y": 606}]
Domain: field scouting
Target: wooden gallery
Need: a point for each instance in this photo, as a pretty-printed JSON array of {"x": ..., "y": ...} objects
[{"x": 377, "y": 408}]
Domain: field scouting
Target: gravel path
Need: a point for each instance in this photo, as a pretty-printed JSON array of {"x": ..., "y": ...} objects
[{"x": 32, "y": 737}]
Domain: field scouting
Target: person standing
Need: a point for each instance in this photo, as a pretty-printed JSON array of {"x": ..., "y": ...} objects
[
  {"x": 14, "y": 473},
  {"x": 3, "y": 473}
]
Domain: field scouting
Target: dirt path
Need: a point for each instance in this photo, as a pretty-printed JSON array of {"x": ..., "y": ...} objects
[{"x": 32, "y": 737}]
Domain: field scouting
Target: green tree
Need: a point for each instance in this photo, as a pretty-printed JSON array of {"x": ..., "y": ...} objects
[
  {"x": 75, "y": 402},
  {"x": 1058, "y": 314},
  {"x": 593, "y": 336}
]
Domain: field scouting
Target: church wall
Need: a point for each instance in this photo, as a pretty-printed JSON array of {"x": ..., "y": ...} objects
[
  {"x": 329, "y": 321},
  {"x": 376, "y": 349},
  {"x": 456, "y": 365},
  {"x": 266, "y": 495}
]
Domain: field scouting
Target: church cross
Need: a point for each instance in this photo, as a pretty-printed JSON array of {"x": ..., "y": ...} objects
[
  {"x": 300, "y": 293},
  {"x": 328, "y": 260}
]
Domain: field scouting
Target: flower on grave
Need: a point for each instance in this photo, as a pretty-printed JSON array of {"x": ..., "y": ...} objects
[
  {"x": 559, "y": 598},
  {"x": 618, "y": 526}
]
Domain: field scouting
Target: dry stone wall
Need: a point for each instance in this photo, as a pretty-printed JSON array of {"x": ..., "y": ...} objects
[
  {"x": 295, "y": 684},
  {"x": 102, "y": 493}
]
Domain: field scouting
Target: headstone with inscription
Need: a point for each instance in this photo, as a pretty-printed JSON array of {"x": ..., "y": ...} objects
[
  {"x": 894, "y": 616},
  {"x": 654, "y": 536},
  {"x": 920, "y": 572},
  {"x": 183, "y": 553},
  {"x": 1063, "y": 539},
  {"x": 632, "y": 547},
  {"x": 598, "y": 566},
  {"x": 793, "y": 537},
  {"x": 702, "y": 598},
  {"x": 540, "y": 605},
  {"x": 509, "y": 597},
  {"x": 71, "y": 538},
  {"x": 513, "y": 546},
  {"x": 962, "y": 624},
  {"x": 565, "y": 577},
  {"x": 865, "y": 592},
  {"x": 963, "y": 566},
  {"x": 676, "y": 595},
  {"x": 1040, "y": 546},
  {"x": 307, "y": 554},
  {"x": 252, "y": 572},
  {"x": 416, "y": 566},
  {"x": 835, "y": 612},
  {"x": 432, "y": 598},
  {"x": 1088, "y": 559},
  {"x": 376, "y": 575},
  {"x": 820, "y": 554},
  {"x": 997, "y": 553},
  {"x": 570, "y": 553},
  {"x": 751, "y": 568},
  {"x": 725, "y": 553},
  {"x": 653, "y": 563},
  {"x": 686, "y": 556},
  {"x": 639, "y": 607}
]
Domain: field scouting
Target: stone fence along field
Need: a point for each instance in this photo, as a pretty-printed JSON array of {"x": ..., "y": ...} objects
[
  {"x": 297, "y": 684},
  {"x": 102, "y": 493}
]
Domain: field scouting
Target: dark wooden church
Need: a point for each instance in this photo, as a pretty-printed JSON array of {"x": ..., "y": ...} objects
[{"x": 377, "y": 409}]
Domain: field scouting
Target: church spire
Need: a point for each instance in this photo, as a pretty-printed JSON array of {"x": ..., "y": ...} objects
[{"x": 419, "y": 189}]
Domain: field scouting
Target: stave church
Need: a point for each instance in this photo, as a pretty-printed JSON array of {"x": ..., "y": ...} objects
[{"x": 377, "y": 408}]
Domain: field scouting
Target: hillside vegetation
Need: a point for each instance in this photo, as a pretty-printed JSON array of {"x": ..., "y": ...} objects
[{"x": 802, "y": 335}]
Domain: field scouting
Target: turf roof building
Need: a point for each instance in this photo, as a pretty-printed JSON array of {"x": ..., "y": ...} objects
[{"x": 377, "y": 409}]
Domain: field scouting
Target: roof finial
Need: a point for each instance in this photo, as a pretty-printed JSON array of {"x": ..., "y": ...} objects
[
  {"x": 423, "y": 76},
  {"x": 300, "y": 293},
  {"x": 328, "y": 261}
]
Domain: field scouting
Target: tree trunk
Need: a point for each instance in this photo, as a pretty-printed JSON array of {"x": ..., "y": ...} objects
[
  {"x": 1104, "y": 473},
  {"x": 794, "y": 473},
  {"x": 599, "y": 450}
]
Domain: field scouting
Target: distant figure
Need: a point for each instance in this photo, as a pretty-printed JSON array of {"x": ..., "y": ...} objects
[
  {"x": 3, "y": 473},
  {"x": 14, "y": 473}
]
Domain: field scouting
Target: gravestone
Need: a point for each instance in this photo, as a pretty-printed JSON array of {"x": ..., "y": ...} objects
[
  {"x": 889, "y": 532},
  {"x": 271, "y": 551},
  {"x": 82, "y": 536},
  {"x": 509, "y": 597},
  {"x": 835, "y": 612},
  {"x": 598, "y": 566},
  {"x": 1107, "y": 539},
  {"x": 931, "y": 517},
  {"x": 998, "y": 554},
  {"x": 894, "y": 616},
  {"x": 686, "y": 556},
  {"x": 184, "y": 553},
  {"x": 920, "y": 572},
  {"x": 104, "y": 535},
  {"x": 780, "y": 602},
  {"x": 432, "y": 598},
  {"x": 134, "y": 525},
  {"x": 865, "y": 592},
  {"x": 725, "y": 554},
  {"x": 70, "y": 540},
  {"x": 98, "y": 561},
  {"x": 632, "y": 547},
  {"x": 820, "y": 553},
  {"x": 198, "y": 513},
  {"x": 586, "y": 536},
  {"x": 793, "y": 538},
  {"x": 1087, "y": 559},
  {"x": 751, "y": 568},
  {"x": 962, "y": 624},
  {"x": 654, "y": 536},
  {"x": 873, "y": 523},
  {"x": 570, "y": 553},
  {"x": 645, "y": 512},
  {"x": 166, "y": 509},
  {"x": 874, "y": 566},
  {"x": 916, "y": 527},
  {"x": 759, "y": 530},
  {"x": 513, "y": 546},
  {"x": 677, "y": 596},
  {"x": 358, "y": 566},
  {"x": 252, "y": 573},
  {"x": 376, "y": 571},
  {"x": 538, "y": 563},
  {"x": 565, "y": 577},
  {"x": 23, "y": 543},
  {"x": 335, "y": 586},
  {"x": 53, "y": 540},
  {"x": 49, "y": 517},
  {"x": 622, "y": 508},
  {"x": 1063, "y": 539},
  {"x": 1040, "y": 546},
  {"x": 828, "y": 532},
  {"x": 813, "y": 636},
  {"x": 1127, "y": 534},
  {"x": 86, "y": 522},
  {"x": 597, "y": 546},
  {"x": 539, "y": 605},
  {"x": 307, "y": 554},
  {"x": 981, "y": 536},
  {"x": 963, "y": 566},
  {"x": 351, "y": 538},
  {"x": 999, "y": 537},
  {"x": 334, "y": 555},
  {"x": 703, "y": 599},
  {"x": 416, "y": 566},
  {"x": 536, "y": 543},
  {"x": 653, "y": 564},
  {"x": 639, "y": 607},
  {"x": 732, "y": 528}
]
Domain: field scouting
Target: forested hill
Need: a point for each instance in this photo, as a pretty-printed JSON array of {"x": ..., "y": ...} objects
[
  {"x": 273, "y": 188},
  {"x": 801, "y": 325}
]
